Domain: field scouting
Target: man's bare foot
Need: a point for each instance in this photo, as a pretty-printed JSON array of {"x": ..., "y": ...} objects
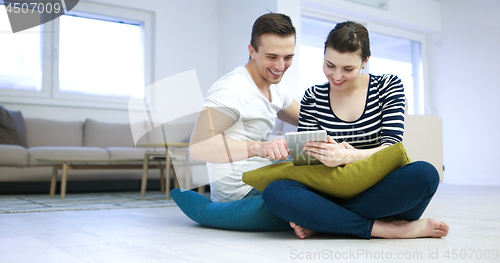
[
  {"x": 394, "y": 228},
  {"x": 301, "y": 232}
]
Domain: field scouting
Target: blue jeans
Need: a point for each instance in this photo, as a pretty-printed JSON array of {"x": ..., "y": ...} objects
[
  {"x": 253, "y": 192},
  {"x": 403, "y": 194}
]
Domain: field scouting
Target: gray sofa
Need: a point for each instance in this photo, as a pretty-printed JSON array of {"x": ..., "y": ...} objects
[{"x": 24, "y": 140}]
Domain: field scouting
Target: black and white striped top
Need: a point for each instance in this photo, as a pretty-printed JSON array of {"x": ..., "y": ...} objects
[{"x": 382, "y": 121}]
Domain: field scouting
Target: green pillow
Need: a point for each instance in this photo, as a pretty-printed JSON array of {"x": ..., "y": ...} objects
[{"x": 343, "y": 181}]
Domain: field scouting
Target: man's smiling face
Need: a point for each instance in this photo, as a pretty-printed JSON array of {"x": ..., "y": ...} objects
[{"x": 273, "y": 58}]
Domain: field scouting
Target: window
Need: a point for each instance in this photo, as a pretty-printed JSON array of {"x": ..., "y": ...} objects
[
  {"x": 20, "y": 59},
  {"x": 94, "y": 56},
  {"x": 314, "y": 33},
  {"x": 399, "y": 55},
  {"x": 98, "y": 57}
]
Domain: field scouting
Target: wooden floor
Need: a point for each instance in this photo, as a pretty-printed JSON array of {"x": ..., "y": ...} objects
[{"x": 167, "y": 235}]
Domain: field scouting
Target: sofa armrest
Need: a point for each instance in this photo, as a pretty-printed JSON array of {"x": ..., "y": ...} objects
[{"x": 13, "y": 155}]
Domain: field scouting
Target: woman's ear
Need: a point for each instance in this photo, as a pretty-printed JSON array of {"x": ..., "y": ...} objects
[{"x": 364, "y": 63}]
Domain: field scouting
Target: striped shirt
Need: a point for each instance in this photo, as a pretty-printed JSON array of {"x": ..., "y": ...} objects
[{"x": 382, "y": 121}]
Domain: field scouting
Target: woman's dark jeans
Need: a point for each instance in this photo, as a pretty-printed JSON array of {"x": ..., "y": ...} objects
[{"x": 403, "y": 194}]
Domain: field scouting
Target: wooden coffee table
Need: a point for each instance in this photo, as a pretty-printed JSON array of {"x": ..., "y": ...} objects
[{"x": 92, "y": 164}]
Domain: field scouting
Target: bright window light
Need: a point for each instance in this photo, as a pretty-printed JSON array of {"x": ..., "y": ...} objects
[
  {"x": 393, "y": 55},
  {"x": 403, "y": 70},
  {"x": 20, "y": 58},
  {"x": 314, "y": 33},
  {"x": 98, "y": 57},
  {"x": 311, "y": 66}
]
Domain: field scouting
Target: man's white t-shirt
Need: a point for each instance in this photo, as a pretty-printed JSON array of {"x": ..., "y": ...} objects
[{"x": 237, "y": 93}]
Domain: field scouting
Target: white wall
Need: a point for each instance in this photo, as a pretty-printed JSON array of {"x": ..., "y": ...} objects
[
  {"x": 235, "y": 20},
  {"x": 291, "y": 79},
  {"x": 420, "y": 16},
  {"x": 465, "y": 89},
  {"x": 235, "y": 26}
]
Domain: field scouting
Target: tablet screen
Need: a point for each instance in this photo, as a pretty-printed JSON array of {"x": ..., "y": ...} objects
[{"x": 296, "y": 142}]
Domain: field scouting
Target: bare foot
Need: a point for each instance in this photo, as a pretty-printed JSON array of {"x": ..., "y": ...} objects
[
  {"x": 301, "y": 232},
  {"x": 394, "y": 228}
]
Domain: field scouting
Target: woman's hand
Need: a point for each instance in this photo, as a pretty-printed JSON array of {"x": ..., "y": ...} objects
[{"x": 330, "y": 153}]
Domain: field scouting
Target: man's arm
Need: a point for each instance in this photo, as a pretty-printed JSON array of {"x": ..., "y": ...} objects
[
  {"x": 209, "y": 143},
  {"x": 290, "y": 114}
]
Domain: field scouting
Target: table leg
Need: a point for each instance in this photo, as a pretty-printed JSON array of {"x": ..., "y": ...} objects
[
  {"x": 201, "y": 189},
  {"x": 188, "y": 174},
  {"x": 176, "y": 181},
  {"x": 64, "y": 180},
  {"x": 167, "y": 178},
  {"x": 162, "y": 181},
  {"x": 53, "y": 181},
  {"x": 144, "y": 175}
]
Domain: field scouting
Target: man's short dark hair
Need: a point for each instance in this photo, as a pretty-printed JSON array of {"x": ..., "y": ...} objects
[{"x": 271, "y": 23}]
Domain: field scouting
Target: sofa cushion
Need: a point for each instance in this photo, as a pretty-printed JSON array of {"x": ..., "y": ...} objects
[
  {"x": 101, "y": 134},
  {"x": 12, "y": 127},
  {"x": 42, "y": 132},
  {"x": 48, "y": 152},
  {"x": 13, "y": 155}
]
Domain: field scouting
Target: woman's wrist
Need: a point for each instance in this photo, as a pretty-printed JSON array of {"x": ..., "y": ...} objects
[
  {"x": 358, "y": 155},
  {"x": 354, "y": 155}
]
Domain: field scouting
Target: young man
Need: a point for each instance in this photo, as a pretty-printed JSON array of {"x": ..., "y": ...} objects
[{"x": 231, "y": 133}]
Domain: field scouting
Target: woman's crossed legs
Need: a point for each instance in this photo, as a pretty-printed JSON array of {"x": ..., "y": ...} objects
[{"x": 389, "y": 209}]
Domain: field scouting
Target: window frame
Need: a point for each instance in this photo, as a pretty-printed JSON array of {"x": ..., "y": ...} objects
[
  {"x": 419, "y": 99},
  {"x": 50, "y": 94}
]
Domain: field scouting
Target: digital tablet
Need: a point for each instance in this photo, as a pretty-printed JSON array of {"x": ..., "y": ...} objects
[{"x": 296, "y": 142}]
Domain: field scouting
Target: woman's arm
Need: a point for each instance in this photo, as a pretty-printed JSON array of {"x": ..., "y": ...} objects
[
  {"x": 393, "y": 102},
  {"x": 307, "y": 119},
  {"x": 290, "y": 114}
]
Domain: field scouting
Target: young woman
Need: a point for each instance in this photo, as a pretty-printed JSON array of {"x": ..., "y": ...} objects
[{"x": 362, "y": 113}]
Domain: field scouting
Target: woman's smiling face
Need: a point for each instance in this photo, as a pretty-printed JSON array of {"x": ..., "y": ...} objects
[{"x": 342, "y": 69}]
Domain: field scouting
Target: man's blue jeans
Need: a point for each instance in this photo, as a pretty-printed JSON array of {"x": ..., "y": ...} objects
[{"x": 403, "y": 194}]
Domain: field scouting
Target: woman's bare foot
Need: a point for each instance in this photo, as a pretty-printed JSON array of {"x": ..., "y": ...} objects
[
  {"x": 394, "y": 228},
  {"x": 301, "y": 232}
]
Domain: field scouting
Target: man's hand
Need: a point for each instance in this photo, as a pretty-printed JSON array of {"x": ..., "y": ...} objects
[{"x": 275, "y": 150}]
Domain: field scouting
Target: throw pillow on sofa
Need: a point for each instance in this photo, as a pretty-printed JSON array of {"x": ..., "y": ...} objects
[
  {"x": 12, "y": 127},
  {"x": 343, "y": 181}
]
